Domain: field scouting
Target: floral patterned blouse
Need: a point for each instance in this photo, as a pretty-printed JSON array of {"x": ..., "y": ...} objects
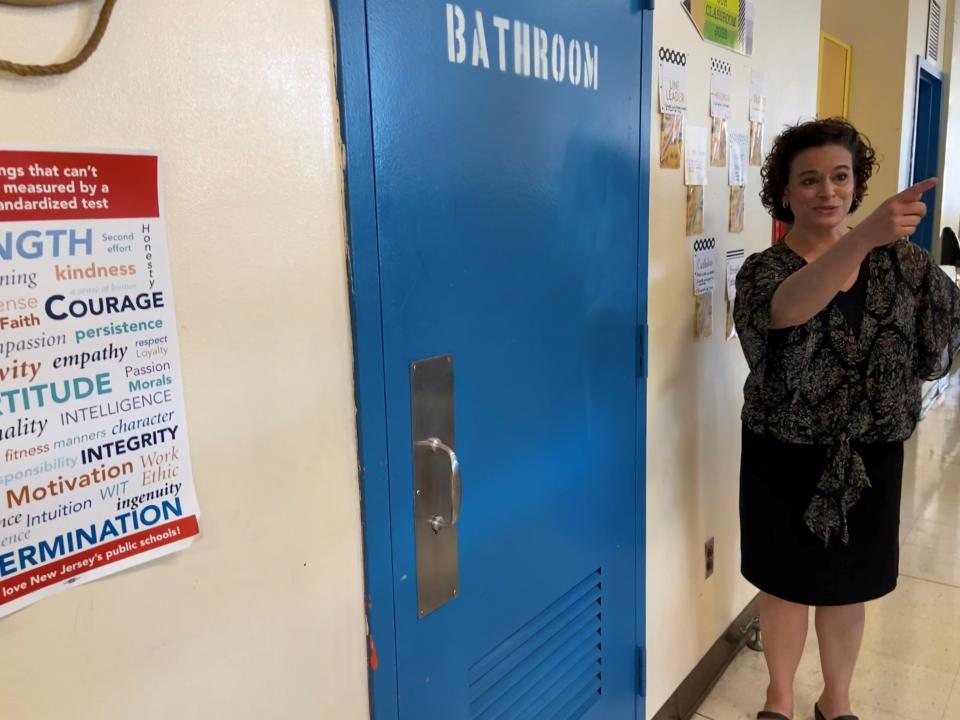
[{"x": 823, "y": 383}]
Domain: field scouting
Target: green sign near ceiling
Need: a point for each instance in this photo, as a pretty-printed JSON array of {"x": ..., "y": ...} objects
[
  {"x": 727, "y": 23},
  {"x": 722, "y": 22}
]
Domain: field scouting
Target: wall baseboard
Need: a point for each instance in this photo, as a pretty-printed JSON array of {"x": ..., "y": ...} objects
[{"x": 698, "y": 684}]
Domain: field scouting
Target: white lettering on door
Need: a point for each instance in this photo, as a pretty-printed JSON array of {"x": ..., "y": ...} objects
[
  {"x": 559, "y": 58},
  {"x": 456, "y": 45},
  {"x": 521, "y": 48},
  {"x": 534, "y": 51},
  {"x": 541, "y": 46},
  {"x": 480, "y": 44},
  {"x": 575, "y": 62},
  {"x": 503, "y": 26},
  {"x": 591, "y": 66}
]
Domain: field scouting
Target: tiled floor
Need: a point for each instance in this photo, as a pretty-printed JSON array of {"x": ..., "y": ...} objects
[{"x": 909, "y": 668}]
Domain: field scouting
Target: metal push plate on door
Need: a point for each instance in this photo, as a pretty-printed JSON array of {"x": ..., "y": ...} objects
[{"x": 436, "y": 482}]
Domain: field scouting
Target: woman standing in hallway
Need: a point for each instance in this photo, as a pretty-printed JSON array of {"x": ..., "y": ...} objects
[{"x": 839, "y": 327}]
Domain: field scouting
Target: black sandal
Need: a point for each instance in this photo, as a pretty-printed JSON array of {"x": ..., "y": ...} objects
[
  {"x": 820, "y": 716},
  {"x": 770, "y": 715}
]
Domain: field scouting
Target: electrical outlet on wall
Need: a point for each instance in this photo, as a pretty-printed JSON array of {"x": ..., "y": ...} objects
[{"x": 708, "y": 552}]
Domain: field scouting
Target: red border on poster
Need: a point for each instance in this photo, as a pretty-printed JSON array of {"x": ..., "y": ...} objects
[
  {"x": 24, "y": 583},
  {"x": 125, "y": 186}
]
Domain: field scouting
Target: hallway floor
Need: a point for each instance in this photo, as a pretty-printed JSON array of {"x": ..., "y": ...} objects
[{"x": 909, "y": 667}]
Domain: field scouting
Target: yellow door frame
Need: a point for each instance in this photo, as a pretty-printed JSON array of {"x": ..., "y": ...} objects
[{"x": 825, "y": 38}]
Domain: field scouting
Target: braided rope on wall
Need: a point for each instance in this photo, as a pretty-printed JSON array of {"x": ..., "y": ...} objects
[{"x": 79, "y": 59}]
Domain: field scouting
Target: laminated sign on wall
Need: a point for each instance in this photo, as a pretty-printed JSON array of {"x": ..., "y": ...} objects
[
  {"x": 95, "y": 465},
  {"x": 696, "y": 154},
  {"x": 704, "y": 284},
  {"x": 673, "y": 105}
]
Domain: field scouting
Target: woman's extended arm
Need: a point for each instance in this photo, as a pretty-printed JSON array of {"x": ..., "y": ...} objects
[{"x": 809, "y": 290}]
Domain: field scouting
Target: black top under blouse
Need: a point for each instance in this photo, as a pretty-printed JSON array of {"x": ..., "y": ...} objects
[{"x": 852, "y": 302}]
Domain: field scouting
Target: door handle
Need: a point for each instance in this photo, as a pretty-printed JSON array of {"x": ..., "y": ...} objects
[
  {"x": 438, "y": 522},
  {"x": 436, "y": 482}
]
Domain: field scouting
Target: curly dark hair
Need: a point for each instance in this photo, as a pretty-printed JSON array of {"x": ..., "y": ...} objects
[{"x": 814, "y": 133}]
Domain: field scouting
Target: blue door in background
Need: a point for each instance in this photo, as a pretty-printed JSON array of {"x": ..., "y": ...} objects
[
  {"x": 926, "y": 145},
  {"x": 506, "y": 155}
]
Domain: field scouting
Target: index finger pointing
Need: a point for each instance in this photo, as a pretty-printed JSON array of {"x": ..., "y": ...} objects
[{"x": 916, "y": 191}]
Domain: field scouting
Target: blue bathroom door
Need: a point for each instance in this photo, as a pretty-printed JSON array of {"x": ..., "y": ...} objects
[{"x": 506, "y": 138}]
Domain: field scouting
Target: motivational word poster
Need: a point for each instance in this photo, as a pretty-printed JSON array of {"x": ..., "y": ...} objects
[{"x": 95, "y": 470}]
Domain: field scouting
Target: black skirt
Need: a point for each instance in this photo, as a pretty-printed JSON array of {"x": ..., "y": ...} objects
[{"x": 783, "y": 558}]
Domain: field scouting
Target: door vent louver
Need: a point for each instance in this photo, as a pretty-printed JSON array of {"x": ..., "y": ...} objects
[
  {"x": 551, "y": 668},
  {"x": 934, "y": 31}
]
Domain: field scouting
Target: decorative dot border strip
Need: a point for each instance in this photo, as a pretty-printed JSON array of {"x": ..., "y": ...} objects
[
  {"x": 720, "y": 66},
  {"x": 673, "y": 56}
]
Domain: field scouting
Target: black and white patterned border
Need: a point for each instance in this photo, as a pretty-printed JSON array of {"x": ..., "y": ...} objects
[
  {"x": 720, "y": 66},
  {"x": 673, "y": 56},
  {"x": 704, "y": 244}
]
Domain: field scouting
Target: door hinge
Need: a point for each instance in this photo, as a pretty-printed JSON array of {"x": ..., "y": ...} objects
[
  {"x": 643, "y": 351},
  {"x": 642, "y": 672}
]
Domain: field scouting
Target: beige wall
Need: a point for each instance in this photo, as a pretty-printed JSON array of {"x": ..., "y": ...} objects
[
  {"x": 916, "y": 44},
  {"x": 919, "y": 10},
  {"x": 889, "y": 49},
  {"x": 263, "y": 616},
  {"x": 950, "y": 175},
  {"x": 695, "y": 391},
  {"x": 877, "y": 102}
]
